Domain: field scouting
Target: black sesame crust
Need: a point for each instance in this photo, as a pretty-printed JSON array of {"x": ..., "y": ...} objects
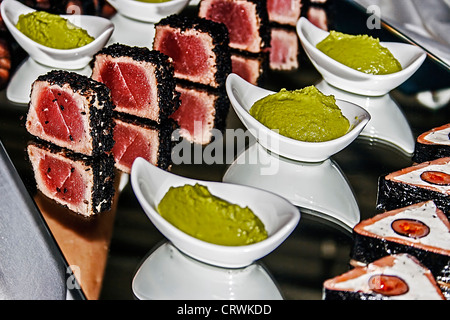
[
  {"x": 369, "y": 249},
  {"x": 165, "y": 130},
  {"x": 392, "y": 195},
  {"x": 216, "y": 30},
  {"x": 164, "y": 72},
  {"x": 350, "y": 295},
  {"x": 99, "y": 117},
  {"x": 103, "y": 173},
  {"x": 429, "y": 152}
]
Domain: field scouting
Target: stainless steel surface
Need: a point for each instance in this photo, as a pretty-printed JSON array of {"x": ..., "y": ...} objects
[{"x": 31, "y": 264}]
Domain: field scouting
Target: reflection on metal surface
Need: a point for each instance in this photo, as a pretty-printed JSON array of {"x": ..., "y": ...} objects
[
  {"x": 387, "y": 124},
  {"x": 320, "y": 188},
  {"x": 170, "y": 275}
]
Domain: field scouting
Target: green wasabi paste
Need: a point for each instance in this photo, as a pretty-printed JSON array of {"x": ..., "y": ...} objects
[
  {"x": 360, "y": 52},
  {"x": 52, "y": 30},
  {"x": 304, "y": 114},
  {"x": 194, "y": 210}
]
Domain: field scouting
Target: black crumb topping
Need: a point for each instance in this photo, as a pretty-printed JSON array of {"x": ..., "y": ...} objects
[
  {"x": 103, "y": 173},
  {"x": 216, "y": 30},
  {"x": 428, "y": 152},
  {"x": 100, "y": 114},
  {"x": 164, "y": 73}
]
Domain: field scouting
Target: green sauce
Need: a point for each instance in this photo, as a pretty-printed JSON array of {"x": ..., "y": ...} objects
[
  {"x": 52, "y": 31},
  {"x": 305, "y": 114},
  {"x": 194, "y": 210},
  {"x": 361, "y": 52}
]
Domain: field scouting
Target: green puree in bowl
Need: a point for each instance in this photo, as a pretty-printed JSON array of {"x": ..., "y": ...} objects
[
  {"x": 52, "y": 30},
  {"x": 195, "y": 211},
  {"x": 304, "y": 114},
  {"x": 360, "y": 52}
]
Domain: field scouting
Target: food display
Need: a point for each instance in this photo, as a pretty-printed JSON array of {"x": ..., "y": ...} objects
[
  {"x": 360, "y": 52},
  {"x": 194, "y": 210},
  {"x": 394, "y": 277},
  {"x": 433, "y": 144},
  {"x": 52, "y": 30},
  {"x": 304, "y": 114}
]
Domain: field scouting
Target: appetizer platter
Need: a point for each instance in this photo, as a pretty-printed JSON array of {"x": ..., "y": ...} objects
[{"x": 228, "y": 138}]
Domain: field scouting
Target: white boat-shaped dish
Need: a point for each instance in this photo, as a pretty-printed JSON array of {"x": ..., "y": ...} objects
[
  {"x": 343, "y": 77},
  {"x": 147, "y": 11},
  {"x": 98, "y": 27},
  {"x": 279, "y": 216},
  {"x": 168, "y": 274},
  {"x": 243, "y": 95}
]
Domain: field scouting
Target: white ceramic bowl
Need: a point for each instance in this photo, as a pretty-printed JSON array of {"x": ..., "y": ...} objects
[
  {"x": 339, "y": 75},
  {"x": 279, "y": 216},
  {"x": 98, "y": 27},
  {"x": 243, "y": 95},
  {"x": 147, "y": 11}
]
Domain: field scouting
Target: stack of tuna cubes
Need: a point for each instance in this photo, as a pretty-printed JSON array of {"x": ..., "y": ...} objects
[
  {"x": 143, "y": 92},
  {"x": 200, "y": 53},
  {"x": 70, "y": 116}
]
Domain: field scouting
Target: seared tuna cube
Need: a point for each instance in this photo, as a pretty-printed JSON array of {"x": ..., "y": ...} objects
[
  {"x": 428, "y": 180},
  {"x": 71, "y": 111},
  {"x": 141, "y": 80},
  {"x": 83, "y": 184},
  {"x": 285, "y": 12},
  {"x": 250, "y": 67},
  {"x": 137, "y": 139},
  {"x": 246, "y": 20},
  {"x": 200, "y": 112},
  {"x": 198, "y": 47}
]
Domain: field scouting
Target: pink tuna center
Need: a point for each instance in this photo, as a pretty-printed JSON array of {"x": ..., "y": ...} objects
[
  {"x": 236, "y": 19},
  {"x": 187, "y": 52},
  {"x": 128, "y": 85},
  {"x": 59, "y": 115},
  {"x": 62, "y": 179},
  {"x": 129, "y": 145}
]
